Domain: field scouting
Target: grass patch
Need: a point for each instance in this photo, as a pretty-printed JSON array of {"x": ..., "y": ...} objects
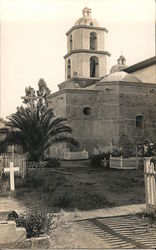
[{"x": 86, "y": 188}]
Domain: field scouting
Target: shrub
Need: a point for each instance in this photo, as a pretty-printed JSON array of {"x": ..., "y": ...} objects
[
  {"x": 127, "y": 147},
  {"x": 36, "y": 223},
  {"x": 117, "y": 153},
  {"x": 52, "y": 162},
  {"x": 96, "y": 160},
  {"x": 63, "y": 200},
  {"x": 45, "y": 163}
]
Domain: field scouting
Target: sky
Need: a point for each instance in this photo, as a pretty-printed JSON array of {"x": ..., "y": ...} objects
[{"x": 33, "y": 40}]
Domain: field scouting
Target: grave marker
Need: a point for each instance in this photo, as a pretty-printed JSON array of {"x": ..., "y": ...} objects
[{"x": 11, "y": 170}]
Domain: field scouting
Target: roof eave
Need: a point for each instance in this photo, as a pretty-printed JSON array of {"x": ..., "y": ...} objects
[
  {"x": 86, "y": 27},
  {"x": 141, "y": 65}
]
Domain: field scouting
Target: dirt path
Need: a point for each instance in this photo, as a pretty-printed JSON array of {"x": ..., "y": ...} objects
[{"x": 69, "y": 234}]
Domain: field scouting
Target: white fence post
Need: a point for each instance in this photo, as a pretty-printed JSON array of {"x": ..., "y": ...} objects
[
  {"x": 0, "y": 167},
  {"x": 150, "y": 185}
]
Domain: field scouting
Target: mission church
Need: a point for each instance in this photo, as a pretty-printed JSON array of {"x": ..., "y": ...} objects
[{"x": 102, "y": 107}]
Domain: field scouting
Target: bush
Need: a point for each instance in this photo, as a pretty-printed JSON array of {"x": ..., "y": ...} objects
[
  {"x": 52, "y": 162},
  {"x": 45, "y": 163},
  {"x": 117, "y": 153},
  {"x": 36, "y": 223},
  {"x": 63, "y": 200},
  {"x": 96, "y": 160}
]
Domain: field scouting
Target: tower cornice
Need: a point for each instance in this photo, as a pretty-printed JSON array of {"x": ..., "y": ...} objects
[
  {"x": 86, "y": 27},
  {"x": 87, "y": 51}
]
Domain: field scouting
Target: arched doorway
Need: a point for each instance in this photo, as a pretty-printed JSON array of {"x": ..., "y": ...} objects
[{"x": 94, "y": 66}]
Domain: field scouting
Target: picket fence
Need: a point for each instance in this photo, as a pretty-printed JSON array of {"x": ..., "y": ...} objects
[
  {"x": 19, "y": 160},
  {"x": 82, "y": 155},
  {"x": 150, "y": 185}
]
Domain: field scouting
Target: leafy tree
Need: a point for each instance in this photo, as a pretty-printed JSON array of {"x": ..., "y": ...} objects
[{"x": 36, "y": 128}]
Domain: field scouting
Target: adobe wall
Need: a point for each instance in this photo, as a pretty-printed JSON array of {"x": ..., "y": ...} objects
[
  {"x": 57, "y": 101},
  {"x": 114, "y": 107},
  {"x": 100, "y": 127},
  {"x": 138, "y": 99}
]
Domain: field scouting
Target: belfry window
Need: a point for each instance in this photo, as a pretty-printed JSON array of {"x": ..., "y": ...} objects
[
  {"x": 93, "y": 41},
  {"x": 71, "y": 42},
  {"x": 94, "y": 66},
  {"x": 69, "y": 69}
]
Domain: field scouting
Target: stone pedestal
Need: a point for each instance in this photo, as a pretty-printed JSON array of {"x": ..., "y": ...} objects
[{"x": 10, "y": 236}]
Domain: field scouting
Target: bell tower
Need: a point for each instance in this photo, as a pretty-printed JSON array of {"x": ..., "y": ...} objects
[{"x": 86, "y": 58}]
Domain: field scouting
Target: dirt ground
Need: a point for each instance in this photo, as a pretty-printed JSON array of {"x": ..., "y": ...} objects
[{"x": 79, "y": 192}]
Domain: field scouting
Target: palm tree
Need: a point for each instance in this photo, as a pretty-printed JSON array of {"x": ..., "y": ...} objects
[{"x": 36, "y": 130}]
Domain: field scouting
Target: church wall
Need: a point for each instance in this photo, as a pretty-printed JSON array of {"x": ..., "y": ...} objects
[
  {"x": 114, "y": 107},
  {"x": 147, "y": 75},
  {"x": 58, "y": 103},
  {"x": 101, "y": 127},
  {"x": 137, "y": 99}
]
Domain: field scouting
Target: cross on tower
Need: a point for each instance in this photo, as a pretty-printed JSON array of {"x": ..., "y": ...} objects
[{"x": 30, "y": 98}]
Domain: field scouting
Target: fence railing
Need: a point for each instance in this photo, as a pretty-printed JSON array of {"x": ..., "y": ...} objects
[
  {"x": 150, "y": 185},
  {"x": 82, "y": 155},
  {"x": 19, "y": 160},
  {"x": 1, "y": 168}
]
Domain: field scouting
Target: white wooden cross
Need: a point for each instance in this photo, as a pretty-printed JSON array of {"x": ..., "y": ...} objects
[{"x": 12, "y": 169}]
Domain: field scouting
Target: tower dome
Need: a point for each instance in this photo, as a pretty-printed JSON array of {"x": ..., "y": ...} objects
[
  {"x": 121, "y": 64},
  {"x": 86, "y": 19}
]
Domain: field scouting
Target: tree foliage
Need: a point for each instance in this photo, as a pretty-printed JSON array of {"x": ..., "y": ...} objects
[{"x": 36, "y": 128}]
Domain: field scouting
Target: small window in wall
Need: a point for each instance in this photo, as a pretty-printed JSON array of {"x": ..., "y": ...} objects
[
  {"x": 71, "y": 42},
  {"x": 87, "y": 111},
  {"x": 139, "y": 122},
  {"x": 69, "y": 69}
]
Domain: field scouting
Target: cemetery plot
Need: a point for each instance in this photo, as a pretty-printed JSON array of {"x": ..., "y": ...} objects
[{"x": 127, "y": 231}]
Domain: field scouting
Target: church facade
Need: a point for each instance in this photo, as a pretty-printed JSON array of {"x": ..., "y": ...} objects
[{"x": 102, "y": 108}]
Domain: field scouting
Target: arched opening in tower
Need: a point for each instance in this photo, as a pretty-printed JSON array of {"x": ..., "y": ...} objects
[
  {"x": 94, "y": 66},
  {"x": 69, "y": 69},
  {"x": 71, "y": 42},
  {"x": 93, "y": 41}
]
